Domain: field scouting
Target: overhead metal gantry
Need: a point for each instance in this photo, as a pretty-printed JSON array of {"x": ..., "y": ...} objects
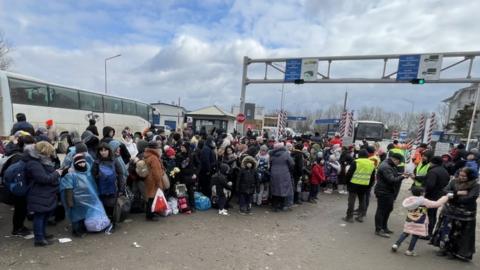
[{"x": 384, "y": 76}]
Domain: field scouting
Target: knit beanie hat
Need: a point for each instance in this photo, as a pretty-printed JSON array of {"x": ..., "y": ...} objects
[
  {"x": 153, "y": 145},
  {"x": 170, "y": 152},
  {"x": 141, "y": 145},
  {"x": 81, "y": 148},
  {"x": 79, "y": 158}
]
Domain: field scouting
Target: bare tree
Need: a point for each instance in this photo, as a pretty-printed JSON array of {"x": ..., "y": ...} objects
[
  {"x": 5, "y": 61},
  {"x": 442, "y": 111}
]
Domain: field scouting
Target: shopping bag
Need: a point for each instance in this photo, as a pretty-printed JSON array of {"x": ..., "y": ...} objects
[{"x": 159, "y": 204}]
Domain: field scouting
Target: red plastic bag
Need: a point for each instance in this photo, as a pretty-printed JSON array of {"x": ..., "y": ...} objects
[{"x": 159, "y": 204}]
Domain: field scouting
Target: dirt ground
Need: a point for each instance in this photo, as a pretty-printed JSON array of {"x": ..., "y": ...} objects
[{"x": 312, "y": 236}]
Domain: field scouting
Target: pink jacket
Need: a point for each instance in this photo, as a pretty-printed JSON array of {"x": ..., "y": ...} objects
[{"x": 417, "y": 218}]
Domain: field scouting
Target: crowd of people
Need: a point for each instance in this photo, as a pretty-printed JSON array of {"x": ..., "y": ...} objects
[{"x": 102, "y": 178}]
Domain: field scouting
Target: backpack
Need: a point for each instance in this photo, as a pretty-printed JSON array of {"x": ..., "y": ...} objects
[
  {"x": 141, "y": 168},
  {"x": 183, "y": 205},
  {"x": 15, "y": 179},
  {"x": 107, "y": 182}
]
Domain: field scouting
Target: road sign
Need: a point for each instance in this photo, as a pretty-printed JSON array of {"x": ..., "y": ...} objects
[
  {"x": 293, "y": 70},
  {"x": 327, "y": 121},
  {"x": 408, "y": 67},
  {"x": 297, "y": 118},
  {"x": 309, "y": 69},
  {"x": 241, "y": 118},
  {"x": 430, "y": 66},
  {"x": 403, "y": 135}
]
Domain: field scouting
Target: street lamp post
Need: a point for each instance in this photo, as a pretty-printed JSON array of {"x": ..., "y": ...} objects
[
  {"x": 106, "y": 59},
  {"x": 411, "y": 113}
]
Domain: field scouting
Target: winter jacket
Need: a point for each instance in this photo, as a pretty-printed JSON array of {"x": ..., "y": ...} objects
[
  {"x": 387, "y": 177},
  {"x": 332, "y": 169},
  {"x": 123, "y": 149},
  {"x": 417, "y": 221},
  {"x": 154, "y": 179},
  {"x": 354, "y": 187},
  {"x": 297, "y": 157},
  {"x": 435, "y": 181},
  {"x": 247, "y": 178},
  {"x": 120, "y": 180},
  {"x": 207, "y": 159},
  {"x": 318, "y": 174},
  {"x": 462, "y": 207},
  {"x": 44, "y": 181},
  {"x": 92, "y": 128},
  {"x": 281, "y": 179},
  {"x": 188, "y": 166},
  {"x": 22, "y": 125}
]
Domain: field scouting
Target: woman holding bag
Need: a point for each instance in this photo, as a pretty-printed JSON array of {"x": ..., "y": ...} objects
[{"x": 155, "y": 177}]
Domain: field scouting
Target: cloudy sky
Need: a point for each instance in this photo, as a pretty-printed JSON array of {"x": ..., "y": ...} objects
[{"x": 194, "y": 49}]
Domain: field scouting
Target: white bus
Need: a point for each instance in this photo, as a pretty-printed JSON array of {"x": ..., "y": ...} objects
[
  {"x": 370, "y": 130},
  {"x": 70, "y": 108}
]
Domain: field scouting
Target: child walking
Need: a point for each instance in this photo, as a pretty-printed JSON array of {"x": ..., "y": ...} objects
[{"x": 416, "y": 223}]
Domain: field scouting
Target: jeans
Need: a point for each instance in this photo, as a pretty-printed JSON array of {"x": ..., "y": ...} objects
[
  {"x": 313, "y": 191},
  {"x": 404, "y": 236},
  {"x": 384, "y": 208},
  {"x": 39, "y": 225},
  {"x": 20, "y": 212},
  {"x": 432, "y": 219},
  {"x": 352, "y": 196},
  {"x": 263, "y": 190},
  {"x": 245, "y": 200}
]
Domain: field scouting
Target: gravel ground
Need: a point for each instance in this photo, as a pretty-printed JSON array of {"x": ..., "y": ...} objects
[{"x": 312, "y": 236}]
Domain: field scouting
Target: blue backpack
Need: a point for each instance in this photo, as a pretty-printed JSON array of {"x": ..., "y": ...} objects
[
  {"x": 14, "y": 178},
  {"x": 107, "y": 182}
]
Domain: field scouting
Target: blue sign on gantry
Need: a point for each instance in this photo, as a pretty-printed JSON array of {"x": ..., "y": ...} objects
[
  {"x": 408, "y": 67},
  {"x": 293, "y": 70}
]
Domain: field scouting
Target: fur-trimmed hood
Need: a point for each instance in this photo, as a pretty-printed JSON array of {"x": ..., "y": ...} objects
[{"x": 250, "y": 159}]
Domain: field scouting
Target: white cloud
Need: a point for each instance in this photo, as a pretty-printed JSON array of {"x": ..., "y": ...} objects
[{"x": 168, "y": 52}]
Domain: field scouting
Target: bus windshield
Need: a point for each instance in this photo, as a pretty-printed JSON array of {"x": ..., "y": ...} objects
[{"x": 370, "y": 131}]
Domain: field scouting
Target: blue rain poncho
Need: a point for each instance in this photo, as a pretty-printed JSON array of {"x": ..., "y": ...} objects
[{"x": 86, "y": 204}]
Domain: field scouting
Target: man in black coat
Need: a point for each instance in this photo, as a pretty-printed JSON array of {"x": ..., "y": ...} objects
[
  {"x": 207, "y": 166},
  {"x": 388, "y": 178},
  {"x": 297, "y": 156},
  {"x": 436, "y": 179},
  {"x": 22, "y": 124}
]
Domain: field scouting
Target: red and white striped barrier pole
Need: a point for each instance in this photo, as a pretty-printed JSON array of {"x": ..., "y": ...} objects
[
  {"x": 350, "y": 124},
  {"x": 430, "y": 129},
  {"x": 421, "y": 129},
  {"x": 343, "y": 124}
]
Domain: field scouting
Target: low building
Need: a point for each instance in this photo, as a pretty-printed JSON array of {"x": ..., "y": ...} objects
[
  {"x": 211, "y": 117},
  {"x": 458, "y": 101},
  {"x": 170, "y": 115}
]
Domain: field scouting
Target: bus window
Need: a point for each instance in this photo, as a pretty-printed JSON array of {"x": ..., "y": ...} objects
[
  {"x": 142, "y": 110},
  {"x": 129, "y": 107},
  {"x": 112, "y": 105},
  {"x": 91, "y": 102},
  {"x": 24, "y": 92},
  {"x": 63, "y": 98}
]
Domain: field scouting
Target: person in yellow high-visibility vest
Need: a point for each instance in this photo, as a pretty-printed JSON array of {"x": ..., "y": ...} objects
[
  {"x": 360, "y": 178},
  {"x": 422, "y": 169}
]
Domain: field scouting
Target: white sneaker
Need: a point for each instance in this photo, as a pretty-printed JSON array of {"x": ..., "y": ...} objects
[
  {"x": 410, "y": 253},
  {"x": 328, "y": 191},
  {"x": 394, "y": 248},
  {"x": 223, "y": 212}
]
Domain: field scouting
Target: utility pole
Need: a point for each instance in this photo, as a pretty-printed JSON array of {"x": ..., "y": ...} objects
[{"x": 472, "y": 122}]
